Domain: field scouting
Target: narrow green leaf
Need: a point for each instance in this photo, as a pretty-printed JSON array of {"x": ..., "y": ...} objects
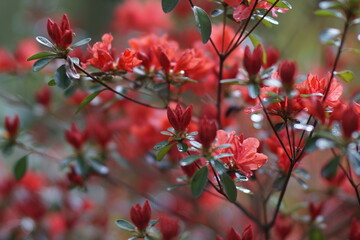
[
  {"x": 40, "y": 55},
  {"x": 218, "y": 166},
  {"x": 354, "y": 158},
  {"x": 216, "y": 12},
  {"x": 280, "y": 4},
  {"x": 41, "y": 63},
  {"x": 176, "y": 186},
  {"x": 163, "y": 151},
  {"x": 123, "y": 224},
  {"x": 81, "y": 42},
  {"x": 302, "y": 183},
  {"x": 203, "y": 23},
  {"x": 328, "y": 35},
  {"x": 229, "y": 187},
  {"x": 346, "y": 75},
  {"x": 20, "y": 167},
  {"x": 330, "y": 4},
  {"x": 168, "y": 5},
  {"x": 160, "y": 145},
  {"x": 330, "y": 169},
  {"x": 253, "y": 90},
  {"x": 60, "y": 77},
  {"x": 88, "y": 99},
  {"x": 199, "y": 181},
  {"x": 188, "y": 160},
  {"x": 44, "y": 41},
  {"x": 330, "y": 13}
]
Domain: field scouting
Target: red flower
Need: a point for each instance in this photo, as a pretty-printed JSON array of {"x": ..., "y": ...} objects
[
  {"x": 75, "y": 137},
  {"x": 169, "y": 228},
  {"x": 43, "y": 96},
  {"x": 253, "y": 61},
  {"x": 179, "y": 118},
  {"x": 140, "y": 216},
  {"x": 61, "y": 35},
  {"x": 74, "y": 178},
  {"x": 128, "y": 60},
  {"x": 315, "y": 211},
  {"x": 246, "y": 158},
  {"x": 233, "y": 235},
  {"x": 283, "y": 227},
  {"x": 287, "y": 70},
  {"x": 272, "y": 56},
  {"x": 349, "y": 122},
  {"x": 247, "y": 234},
  {"x": 207, "y": 132},
  {"x": 354, "y": 230},
  {"x": 12, "y": 126}
]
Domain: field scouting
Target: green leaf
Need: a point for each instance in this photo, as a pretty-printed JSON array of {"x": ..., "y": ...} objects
[
  {"x": 328, "y": 35},
  {"x": 302, "y": 183},
  {"x": 44, "y": 41},
  {"x": 253, "y": 90},
  {"x": 153, "y": 222},
  {"x": 160, "y": 145},
  {"x": 52, "y": 83},
  {"x": 88, "y": 99},
  {"x": 81, "y": 42},
  {"x": 176, "y": 186},
  {"x": 182, "y": 147},
  {"x": 346, "y": 75},
  {"x": 123, "y": 224},
  {"x": 41, "y": 55},
  {"x": 310, "y": 145},
  {"x": 316, "y": 234},
  {"x": 223, "y": 155},
  {"x": 330, "y": 13},
  {"x": 98, "y": 167},
  {"x": 168, "y": 5},
  {"x": 279, "y": 126},
  {"x": 216, "y": 12},
  {"x": 199, "y": 181},
  {"x": 354, "y": 158},
  {"x": 188, "y": 160},
  {"x": 218, "y": 166},
  {"x": 61, "y": 79},
  {"x": 203, "y": 23},
  {"x": 229, "y": 187},
  {"x": 280, "y": 4},
  {"x": 41, "y": 63},
  {"x": 20, "y": 167},
  {"x": 330, "y": 169},
  {"x": 330, "y": 4},
  {"x": 163, "y": 151}
]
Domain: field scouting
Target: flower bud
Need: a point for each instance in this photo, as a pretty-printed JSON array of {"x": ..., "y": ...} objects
[
  {"x": 349, "y": 122},
  {"x": 179, "y": 118},
  {"x": 75, "y": 137},
  {"x": 169, "y": 228},
  {"x": 12, "y": 126},
  {"x": 140, "y": 216},
  {"x": 253, "y": 61},
  {"x": 207, "y": 132},
  {"x": 61, "y": 36},
  {"x": 287, "y": 70}
]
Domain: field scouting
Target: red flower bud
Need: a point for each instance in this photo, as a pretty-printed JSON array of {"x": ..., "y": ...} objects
[
  {"x": 233, "y": 235},
  {"x": 140, "y": 216},
  {"x": 74, "y": 177},
  {"x": 169, "y": 228},
  {"x": 179, "y": 118},
  {"x": 283, "y": 227},
  {"x": 61, "y": 36},
  {"x": 207, "y": 132},
  {"x": 287, "y": 70},
  {"x": 247, "y": 234},
  {"x": 349, "y": 122},
  {"x": 12, "y": 126},
  {"x": 43, "y": 96},
  {"x": 272, "y": 56},
  {"x": 253, "y": 61},
  {"x": 75, "y": 137},
  {"x": 163, "y": 59},
  {"x": 315, "y": 211}
]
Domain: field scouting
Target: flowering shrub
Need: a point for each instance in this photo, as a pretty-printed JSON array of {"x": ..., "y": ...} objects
[{"x": 183, "y": 135}]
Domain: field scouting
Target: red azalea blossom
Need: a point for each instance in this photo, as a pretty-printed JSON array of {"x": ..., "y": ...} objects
[
  {"x": 169, "y": 228},
  {"x": 140, "y": 216},
  {"x": 75, "y": 137},
  {"x": 179, "y": 118},
  {"x": 246, "y": 158},
  {"x": 61, "y": 35},
  {"x": 253, "y": 61},
  {"x": 207, "y": 132},
  {"x": 354, "y": 230},
  {"x": 12, "y": 126}
]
